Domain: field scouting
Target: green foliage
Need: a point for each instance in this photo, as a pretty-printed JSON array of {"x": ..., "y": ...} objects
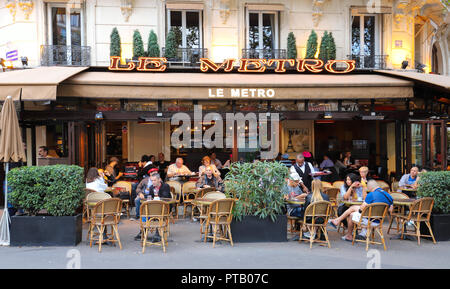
[
  {"x": 153, "y": 47},
  {"x": 311, "y": 46},
  {"x": 291, "y": 46},
  {"x": 171, "y": 44},
  {"x": 437, "y": 186},
  {"x": 323, "y": 52},
  {"x": 258, "y": 187},
  {"x": 138, "y": 45},
  {"x": 331, "y": 47},
  {"x": 114, "y": 47},
  {"x": 58, "y": 189}
]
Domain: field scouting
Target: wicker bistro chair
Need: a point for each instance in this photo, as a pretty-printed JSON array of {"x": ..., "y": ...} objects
[
  {"x": 394, "y": 186},
  {"x": 91, "y": 200},
  {"x": 196, "y": 207},
  {"x": 154, "y": 217},
  {"x": 220, "y": 217},
  {"x": 85, "y": 215},
  {"x": 338, "y": 184},
  {"x": 333, "y": 194},
  {"x": 372, "y": 213},
  {"x": 420, "y": 211},
  {"x": 125, "y": 186},
  {"x": 326, "y": 184},
  {"x": 397, "y": 211},
  {"x": 292, "y": 221},
  {"x": 213, "y": 195},
  {"x": 188, "y": 195},
  {"x": 105, "y": 213},
  {"x": 316, "y": 218}
]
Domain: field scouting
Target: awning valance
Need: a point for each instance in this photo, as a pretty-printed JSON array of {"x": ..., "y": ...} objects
[
  {"x": 135, "y": 85},
  {"x": 36, "y": 84}
]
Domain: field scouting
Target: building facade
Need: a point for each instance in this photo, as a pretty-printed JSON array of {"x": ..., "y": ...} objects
[{"x": 386, "y": 121}]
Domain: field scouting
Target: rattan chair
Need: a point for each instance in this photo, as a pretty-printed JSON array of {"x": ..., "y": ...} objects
[
  {"x": 370, "y": 214},
  {"x": 188, "y": 195},
  {"x": 316, "y": 218},
  {"x": 200, "y": 193},
  {"x": 91, "y": 200},
  {"x": 105, "y": 213},
  {"x": 326, "y": 184},
  {"x": 154, "y": 217},
  {"x": 333, "y": 194},
  {"x": 86, "y": 211},
  {"x": 292, "y": 222},
  {"x": 338, "y": 184},
  {"x": 419, "y": 211},
  {"x": 394, "y": 186},
  {"x": 213, "y": 195},
  {"x": 397, "y": 210},
  {"x": 126, "y": 186},
  {"x": 220, "y": 217}
]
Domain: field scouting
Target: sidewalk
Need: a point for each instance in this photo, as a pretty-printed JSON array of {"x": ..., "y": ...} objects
[{"x": 185, "y": 251}]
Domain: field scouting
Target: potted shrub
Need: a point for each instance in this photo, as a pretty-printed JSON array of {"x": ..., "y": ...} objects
[
  {"x": 258, "y": 212},
  {"x": 50, "y": 196},
  {"x": 437, "y": 186}
]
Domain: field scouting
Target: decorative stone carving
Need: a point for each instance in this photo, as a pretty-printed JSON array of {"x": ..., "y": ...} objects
[
  {"x": 404, "y": 8},
  {"x": 126, "y": 7},
  {"x": 27, "y": 7},
  {"x": 11, "y": 5},
  {"x": 317, "y": 11},
  {"x": 225, "y": 10}
]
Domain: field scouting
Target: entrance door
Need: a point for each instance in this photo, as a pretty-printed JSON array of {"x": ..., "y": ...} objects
[
  {"x": 365, "y": 41},
  {"x": 428, "y": 144}
]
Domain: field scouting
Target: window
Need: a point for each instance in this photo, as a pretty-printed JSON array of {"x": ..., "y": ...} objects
[
  {"x": 365, "y": 48},
  {"x": 187, "y": 27},
  {"x": 262, "y": 35}
]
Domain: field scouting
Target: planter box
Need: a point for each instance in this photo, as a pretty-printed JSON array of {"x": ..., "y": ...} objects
[
  {"x": 254, "y": 229},
  {"x": 440, "y": 224},
  {"x": 46, "y": 230}
]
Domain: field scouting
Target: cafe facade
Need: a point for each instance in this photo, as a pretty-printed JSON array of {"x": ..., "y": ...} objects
[{"x": 89, "y": 110}]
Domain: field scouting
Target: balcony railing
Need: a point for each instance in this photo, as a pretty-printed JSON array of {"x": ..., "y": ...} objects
[
  {"x": 369, "y": 61},
  {"x": 186, "y": 57},
  {"x": 62, "y": 55},
  {"x": 264, "y": 53}
]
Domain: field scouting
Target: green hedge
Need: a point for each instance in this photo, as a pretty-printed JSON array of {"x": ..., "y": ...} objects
[
  {"x": 258, "y": 187},
  {"x": 436, "y": 185},
  {"x": 58, "y": 189}
]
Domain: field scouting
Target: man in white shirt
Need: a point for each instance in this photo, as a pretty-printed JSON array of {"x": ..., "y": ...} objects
[
  {"x": 304, "y": 170},
  {"x": 177, "y": 169}
]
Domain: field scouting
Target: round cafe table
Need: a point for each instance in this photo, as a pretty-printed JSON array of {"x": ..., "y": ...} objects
[
  {"x": 409, "y": 192},
  {"x": 295, "y": 202},
  {"x": 349, "y": 203},
  {"x": 405, "y": 203}
]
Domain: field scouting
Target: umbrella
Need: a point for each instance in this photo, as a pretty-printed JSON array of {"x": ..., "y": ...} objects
[{"x": 11, "y": 150}]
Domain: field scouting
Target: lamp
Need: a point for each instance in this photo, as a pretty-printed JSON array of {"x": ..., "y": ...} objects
[
  {"x": 327, "y": 115},
  {"x": 420, "y": 67},
  {"x": 99, "y": 115},
  {"x": 405, "y": 64},
  {"x": 24, "y": 60}
]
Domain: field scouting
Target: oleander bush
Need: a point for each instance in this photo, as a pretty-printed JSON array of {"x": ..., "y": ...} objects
[
  {"x": 437, "y": 186},
  {"x": 258, "y": 187},
  {"x": 58, "y": 189}
]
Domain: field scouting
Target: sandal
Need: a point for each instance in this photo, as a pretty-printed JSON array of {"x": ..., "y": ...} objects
[
  {"x": 345, "y": 239},
  {"x": 332, "y": 225}
]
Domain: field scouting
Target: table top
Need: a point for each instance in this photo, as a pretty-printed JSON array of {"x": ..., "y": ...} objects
[
  {"x": 295, "y": 202},
  {"x": 324, "y": 173},
  {"x": 404, "y": 202},
  {"x": 204, "y": 201},
  {"x": 351, "y": 203}
]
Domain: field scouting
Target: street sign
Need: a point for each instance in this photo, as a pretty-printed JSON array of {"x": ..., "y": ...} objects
[{"x": 12, "y": 55}]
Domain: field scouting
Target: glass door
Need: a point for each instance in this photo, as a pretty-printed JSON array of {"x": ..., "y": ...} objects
[
  {"x": 262, "y": 35},
  {"x": 365, "y": 40},
  {"x": 429, "y": 144}
]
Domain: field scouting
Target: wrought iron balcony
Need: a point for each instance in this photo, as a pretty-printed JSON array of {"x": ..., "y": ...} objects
[
  {"x": 369, "y": 61},
  {"x": 62, "y": 55},
  {"x": 264, "y": 53},
  {"x": 186, "y": 57}
]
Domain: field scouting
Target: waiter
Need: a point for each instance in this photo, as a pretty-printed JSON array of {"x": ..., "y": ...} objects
[{"x": 304, "y": 170}]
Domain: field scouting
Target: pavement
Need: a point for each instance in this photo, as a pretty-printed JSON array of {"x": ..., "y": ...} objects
[{"x": 186, "y": 251}]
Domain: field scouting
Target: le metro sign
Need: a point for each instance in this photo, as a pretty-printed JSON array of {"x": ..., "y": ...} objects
[{"x": 158, "y": 64}]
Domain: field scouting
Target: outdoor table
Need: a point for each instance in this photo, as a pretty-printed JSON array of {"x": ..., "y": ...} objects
[
  {"x": 409, "y": 192},
  {"x": 349, "y": 203},
  {"x": 405, "y": 203},
  {"x": 295, "y": 202}
]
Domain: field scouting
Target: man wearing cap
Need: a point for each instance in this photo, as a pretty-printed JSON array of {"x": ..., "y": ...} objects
[
  {"x": 304, "y": 170},
  {"x": 292, "y": 191},
  {"x": 285, "y": 160}
]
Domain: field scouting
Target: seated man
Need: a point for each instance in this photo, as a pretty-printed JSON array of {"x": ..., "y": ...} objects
[
  {"x": 376, "y": 195},
  {"x": 292, "y": 190},
  {"x": 408, "y": 181},
  {"x": 143, "y": 190},
  {"x": 177, "y": 169},
  {"x": 208, "y": 180}
]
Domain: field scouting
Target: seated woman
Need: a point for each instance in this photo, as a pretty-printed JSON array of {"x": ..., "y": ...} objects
[
  {"x": 95, "y": 180},
  {"x": 292, "y": 190},
  {"x": 208, "y": 180},
  {"x": 315, "y": 196},
  {"x": 206, "y": 161},
  {"x": 351, "y": 189}
]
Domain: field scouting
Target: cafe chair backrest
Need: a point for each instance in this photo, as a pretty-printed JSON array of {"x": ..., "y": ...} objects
[
  {"x": 422, "y": 208},
  {"x": 154, "y": 211},
  {"x": 382, "y": 184},
  {"x": 399, "y": 196},
  {"x": 201, "y": 193},
  {"x": 338, "y": 184},
  {"x": 326, "y": 184},
  {"x": 96, "y": 197},
  {"x": 176, "y": 185},
  {"x": 188, "y": 187},
  {"x": 375, "y": 211},
  {"x": 123, "y": 184},
  {"x": 107, "y": 210},
  {"x": 215, "y": 195},
  {"x": 220, "y": 210},
  {"x": 320, "y": 209},
  {"x": 332, "y": 193}
]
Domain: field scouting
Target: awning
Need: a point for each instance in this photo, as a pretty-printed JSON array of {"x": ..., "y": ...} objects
[
  {"x": 439, "y": 82},
  {"x": 36, "y": 84},
  {"x": 135, "y": 85}
]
